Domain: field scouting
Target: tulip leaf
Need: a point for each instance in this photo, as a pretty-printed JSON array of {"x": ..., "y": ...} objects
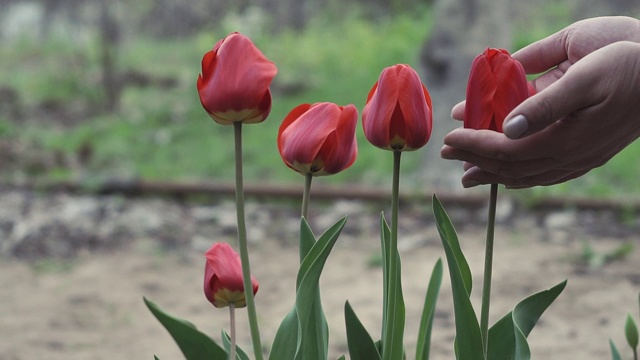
[
  {"x": 287, "y": 340},
  {"x": 314, "y": 335},
  {"x": 446, "y": 227},
  {"x": 361, "y": 345},
  {"x": 341, "y": 357},
  {"x": 392, "y": 331},
  {"x": 631, "y": 332},
  {"x": 428, "y": 312},
  {"x": 155, "y": 357},
  {"x": 508, "y": 336},
  {"x": 615, "y": 354},
  {"x": 194, "y": 344},
  {"x": 468, "y": 343},
  {"x": 226, "y": 341},
  {"x": 307, "y": 240}
]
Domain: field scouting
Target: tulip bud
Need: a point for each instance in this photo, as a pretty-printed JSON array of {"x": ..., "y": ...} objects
[
  {"x": 234, "y": 83},
  {"x": 223, "y": 277},
  {"x": 319, "y": 139},
  {"x": 398, "y": 115},
  {"x": 497, "y": 84}
]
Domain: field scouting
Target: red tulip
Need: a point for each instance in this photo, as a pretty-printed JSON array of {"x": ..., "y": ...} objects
[
  {"x": 223, "y": 277},
  {"x": 398, "y": 114},
  {"x": 235, "y": 79},
  {"x": 497, "y": 84},
  {"x": 319, "y": 139}
]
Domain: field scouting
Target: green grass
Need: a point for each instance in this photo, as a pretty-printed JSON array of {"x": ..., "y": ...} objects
[{"x": 165, "y": 134}]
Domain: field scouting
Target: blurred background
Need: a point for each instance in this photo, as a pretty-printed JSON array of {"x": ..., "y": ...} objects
[{"x": 105, "y": 89}]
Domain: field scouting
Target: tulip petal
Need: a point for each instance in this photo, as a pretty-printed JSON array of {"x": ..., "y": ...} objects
[
  {"x": 481, "y": 87},
  {"x": 417, "y": 115},
  {"x": 340, "y": 148},
  {"x": 377, "y": 113},
  {"x": 512, "y": 89},
  {"x": 303, "y": 138},
  {"x": 223, "y": 283}
]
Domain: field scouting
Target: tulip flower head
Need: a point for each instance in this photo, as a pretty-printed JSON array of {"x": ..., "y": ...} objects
[
  {"x": 497, "y": 84},
  {"x": 398, "y": 114},
  {"x": 223, "y": 277},
  {"x": 319, "y": 139},
  {"x": 234, "y": 83}
]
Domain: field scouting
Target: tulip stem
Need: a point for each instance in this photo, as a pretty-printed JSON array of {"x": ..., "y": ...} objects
[
  {"x": 232, "y": 324},
  {"x": 394, "y": 265},
  {"x": 488, "y": 268},
  {"x": 306, "y": 195},
  {"x": 243, "y": 247}
]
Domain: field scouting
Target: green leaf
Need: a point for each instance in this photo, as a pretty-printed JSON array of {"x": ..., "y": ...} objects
[
  {"x": 155, "y": 357},
  {"x": 445, "y": 227},
  {"x": 615, "y": 354},
  {"x": 428, "y": 311},
  {"x": 392, "y": 331},
  {"x": 341, "y": 357},
  {"x": 287, "y": 339},
  {"x": 529, "y": 310},
  {"x": 361, "y": 345},
  {"x": 468, "y": 343},
  {"x": 508, "y": 336},
  {"x": 194, "y": 344},
  {"x": 506, "y": 341},
  {"x": 631, "y": 332},
  {"x": 226, "y": 341},
  {"x": 314, "y": 336},
  {"x": 307, "y": 240}
]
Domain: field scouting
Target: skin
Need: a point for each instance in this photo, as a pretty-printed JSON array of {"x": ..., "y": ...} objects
[{"x": 585, "y": 111}]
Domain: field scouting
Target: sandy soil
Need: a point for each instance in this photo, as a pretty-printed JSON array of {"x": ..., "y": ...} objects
[{"x": 91, "y": 307}]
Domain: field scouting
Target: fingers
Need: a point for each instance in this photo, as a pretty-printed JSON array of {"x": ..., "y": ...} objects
[
  {"x": 570, "y": 93},
  {"x": 475, "y": 176},
  {"x": 544, "y": 54},
  {"x": 457, "y": 112},
  {"x": 494, "y": 145}
]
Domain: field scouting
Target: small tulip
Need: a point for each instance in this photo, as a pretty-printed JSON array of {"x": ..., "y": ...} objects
[
  {"x": 234, "y": 83},
  {"x": 497, "y": 84},
  {"x": 398, "y": 115},
  {"x": 223, "y": 277},
  {"x": 319, "y": 139}
]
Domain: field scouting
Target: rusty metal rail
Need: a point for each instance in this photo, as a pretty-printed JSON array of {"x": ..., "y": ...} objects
[{"x": 184, "y": 190}]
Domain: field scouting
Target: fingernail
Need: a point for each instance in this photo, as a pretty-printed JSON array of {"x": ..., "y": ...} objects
[
  {"x": 469, "y": 183},
  {"x": 515, "y": 127}
]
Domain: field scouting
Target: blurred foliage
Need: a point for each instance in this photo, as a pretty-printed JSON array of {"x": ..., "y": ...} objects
[{"x": 56, "y": 122}]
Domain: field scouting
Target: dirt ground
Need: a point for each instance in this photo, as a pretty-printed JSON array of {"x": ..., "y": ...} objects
[{"x": 91, "y": 307}]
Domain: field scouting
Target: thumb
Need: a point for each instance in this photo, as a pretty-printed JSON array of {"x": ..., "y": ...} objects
[{"x": 563, "y": 97}]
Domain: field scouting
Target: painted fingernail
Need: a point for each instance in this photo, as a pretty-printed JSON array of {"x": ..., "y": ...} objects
[{"x": 515, "y": 127}]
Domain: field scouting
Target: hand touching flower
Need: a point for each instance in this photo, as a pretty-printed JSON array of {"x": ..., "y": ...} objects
[
  {"x": 223, "y": 277},
  {"x": 398, "y": 114},
  {"x": 319, "y": 139},
  {"x": 235, "y": 79}
]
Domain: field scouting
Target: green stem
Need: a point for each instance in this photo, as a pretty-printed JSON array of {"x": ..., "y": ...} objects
[
  {"x": 488, "y": 269},
  {"x": 306, "y": 195},
  {"x": 232, "y": 324},
  {"x": 393, "y": 262},
  {"x": 244, "y": 249}
]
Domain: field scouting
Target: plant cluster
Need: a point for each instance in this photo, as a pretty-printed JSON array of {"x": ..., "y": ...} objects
[{"x": 319, "y": 140}]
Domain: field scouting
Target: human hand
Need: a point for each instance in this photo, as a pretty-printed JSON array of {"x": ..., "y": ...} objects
[{"x": 592, "y": 91}]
